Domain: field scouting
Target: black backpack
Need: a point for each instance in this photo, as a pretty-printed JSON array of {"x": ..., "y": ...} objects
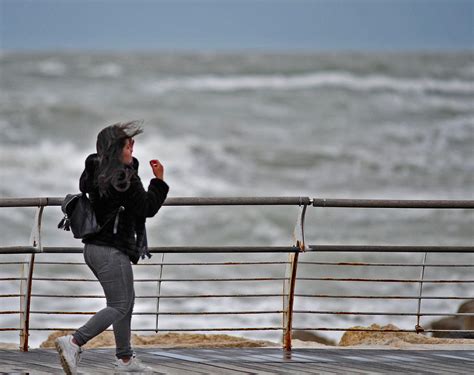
[{"x": 79, "y": 216}]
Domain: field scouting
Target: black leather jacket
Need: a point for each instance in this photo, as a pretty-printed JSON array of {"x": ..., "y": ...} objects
[{"x": 138, "y": 204}]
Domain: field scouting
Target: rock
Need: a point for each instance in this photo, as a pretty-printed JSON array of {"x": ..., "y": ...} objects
[
  {"x": 468, "y": 321},
  {"x": 186, "y": 340},
  {"x": 455, "y": 323},
  {"x": 311, "y": 336},
  {"x": 397, "y": 339},
  {"x": 166, "y": 340},
  {"x": 105, "y": 339}
]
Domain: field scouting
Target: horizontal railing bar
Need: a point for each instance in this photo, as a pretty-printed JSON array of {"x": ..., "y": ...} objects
[
  {"x": 164, "y": 249},
  {"x": 362, "y": 264},
  {"x": 30, "y": 202},
  {"x": 162, "y": 312},
  {"x": 382, "y": 280},
  {"x": 360, "y": 313},
  {"x": 365, "y": 313},
  {"x": 379, "y": 297},
  {"x": 295, "y": 200},
  {"x": 151, "y": 280},
  {"x": 164, "y": 264},
  {"x": 20, "y": 262},
  {"x": 158, "y": 264},
  {"x": 155, "y": 296},
  {"x": 19, "y": 250},
  {"x": 261, "y": 249},
  {"x": 253, "y": 329},
  {"x": 213, "y": 263},
  {"x": 257, "y": 279},
  {"x": 378, "y": 313},
  {"x": 266, "y": 263},
  {"x": 168, "y": 263},
  {"x": 176, "y": 330},
  {"x": 392, "y": 203},
  {"x": 390, "y": 248},
  {"x": 246, "y": 295},
  {"x": 450, "y": 330},
  {"x": 379, "y": 330},
  {"x": 355, "y": 264},
  {"x": 224, "y": 249},
  {"x": 178, "y": 201},
  {"x": 232, "y": 201}
]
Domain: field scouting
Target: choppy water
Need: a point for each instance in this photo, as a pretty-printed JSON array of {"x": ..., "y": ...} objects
[{"x": 347, "y": 125}]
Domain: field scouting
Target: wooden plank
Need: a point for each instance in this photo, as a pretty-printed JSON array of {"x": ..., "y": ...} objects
[
  {"x": 231, "y": 361},
  {"x": 184, "y": 367}
]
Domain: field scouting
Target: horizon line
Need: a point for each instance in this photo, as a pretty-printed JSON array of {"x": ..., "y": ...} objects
[{"x": 239, "y": 50}]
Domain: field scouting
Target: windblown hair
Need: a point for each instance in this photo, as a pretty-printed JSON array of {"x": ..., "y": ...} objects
[{"x": 110, "y": 142}]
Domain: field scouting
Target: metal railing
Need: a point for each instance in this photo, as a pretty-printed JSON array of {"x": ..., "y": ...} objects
[{"x": 289, "y": 281}]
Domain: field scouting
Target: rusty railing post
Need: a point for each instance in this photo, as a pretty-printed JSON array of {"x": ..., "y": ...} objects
[
  {"x": 288, "y": 299},
  {"x": 26, "y": 282},
  {"x": 290, "y": 278}
]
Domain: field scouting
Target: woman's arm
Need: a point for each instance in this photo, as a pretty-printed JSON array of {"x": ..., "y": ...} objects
[{"x": 145, "y": 203}]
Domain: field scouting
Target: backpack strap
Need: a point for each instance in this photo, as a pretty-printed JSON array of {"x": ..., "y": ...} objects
[
  {"x": 120, "y": 209},
  {"x": 64, "y": 223}
]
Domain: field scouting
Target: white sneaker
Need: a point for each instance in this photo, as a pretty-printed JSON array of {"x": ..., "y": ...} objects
[
  {"x": 69, "y": 353},
  {"x": 133, "y": 365}
]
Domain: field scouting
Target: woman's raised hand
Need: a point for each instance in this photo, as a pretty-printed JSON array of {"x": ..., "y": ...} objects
[{"x": 157, "y": 168}]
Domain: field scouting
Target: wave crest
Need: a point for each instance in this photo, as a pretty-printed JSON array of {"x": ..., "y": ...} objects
[{"x": 335, "y": 79}]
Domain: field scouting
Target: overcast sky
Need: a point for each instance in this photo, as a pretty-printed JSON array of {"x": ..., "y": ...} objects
[{"x": 237, "y": 24}]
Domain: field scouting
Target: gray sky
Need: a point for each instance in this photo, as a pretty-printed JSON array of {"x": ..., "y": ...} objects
[{"x": 237, "y": 24}]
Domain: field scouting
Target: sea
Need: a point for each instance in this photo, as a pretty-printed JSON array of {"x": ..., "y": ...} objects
[{"x": 376, "y": 125}]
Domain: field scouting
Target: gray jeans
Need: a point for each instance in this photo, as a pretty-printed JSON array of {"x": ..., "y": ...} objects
[{"x": 114, "y": 271}]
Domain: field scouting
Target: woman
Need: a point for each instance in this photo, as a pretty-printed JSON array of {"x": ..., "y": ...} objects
[{"x": 122, "y": 205}]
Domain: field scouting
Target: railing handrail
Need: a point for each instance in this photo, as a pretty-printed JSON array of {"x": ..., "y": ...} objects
[
  {"x": 176, "y": 201},
  {"x": 257, "y": 249},
  {"x": 264, "y": 200},
  {"x": 392, "y": 203}
]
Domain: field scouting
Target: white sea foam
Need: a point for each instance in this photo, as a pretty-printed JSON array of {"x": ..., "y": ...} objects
[
  {"x": 51, "y": 67},
  {"x": 393, "y": 101},
  {"x": 57, "y": 163},
  {"x": 61, "y": 164},
  {"x": 106, "y": 70},
  {"x": 337, "y": 79}
]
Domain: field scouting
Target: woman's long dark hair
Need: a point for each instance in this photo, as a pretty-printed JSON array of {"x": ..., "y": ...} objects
[{"x": 110, "y": 142}]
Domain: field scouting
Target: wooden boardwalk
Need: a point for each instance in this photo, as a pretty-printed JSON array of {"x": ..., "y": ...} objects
[{"x": 253, "y": 361}]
